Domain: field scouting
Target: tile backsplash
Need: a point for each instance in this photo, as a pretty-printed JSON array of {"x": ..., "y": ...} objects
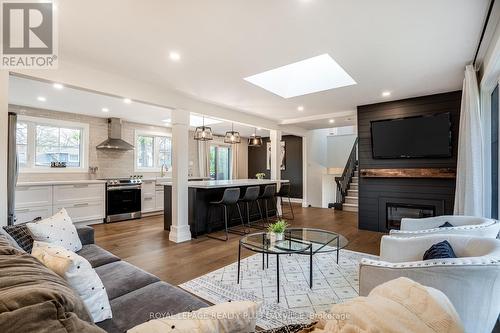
[{"x": 110, "y": 163}]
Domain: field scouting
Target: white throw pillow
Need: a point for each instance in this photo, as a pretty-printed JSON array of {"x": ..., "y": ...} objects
[
  {"x": 79, "y": 274},
  {"x": 58, "y": 230},
  {"x": 230, "y": 317}
]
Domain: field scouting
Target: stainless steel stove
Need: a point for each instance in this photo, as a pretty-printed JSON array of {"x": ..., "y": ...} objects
[{"x": 123, "y": 199}]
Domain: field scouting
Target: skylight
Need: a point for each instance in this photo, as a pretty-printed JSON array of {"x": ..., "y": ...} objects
[{"x": 304, "y": 77}]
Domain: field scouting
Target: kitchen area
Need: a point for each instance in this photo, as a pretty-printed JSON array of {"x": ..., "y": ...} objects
[{"x": 107, "y": 159}]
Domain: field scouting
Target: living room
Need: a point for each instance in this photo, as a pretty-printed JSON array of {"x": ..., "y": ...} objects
[{"x": 167, "y": 168}]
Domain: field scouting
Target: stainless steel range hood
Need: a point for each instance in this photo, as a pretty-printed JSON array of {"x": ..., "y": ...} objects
[{"x": 114, "y": 141}]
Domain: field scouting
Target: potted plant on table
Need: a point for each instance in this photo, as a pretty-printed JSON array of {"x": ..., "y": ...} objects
[
  {"x": 277, "y": 230},
  {"x": 260, "y": 175}
]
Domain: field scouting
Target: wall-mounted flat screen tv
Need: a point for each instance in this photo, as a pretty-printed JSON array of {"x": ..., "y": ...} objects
[{"x": 412, "y": 137}]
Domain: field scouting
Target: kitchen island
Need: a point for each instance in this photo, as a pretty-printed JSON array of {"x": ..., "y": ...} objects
[{"x": 201, "y": 193}]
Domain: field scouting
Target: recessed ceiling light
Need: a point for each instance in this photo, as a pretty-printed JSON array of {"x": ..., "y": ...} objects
[
  {"x": 300, "y": 108},
  {"x": 331, "y": 121},
  {"x": 386, "y": 94},
  {"x": 41, "y": 98},
  {"x": 167, "y": 120},
  {"x": 127, "y": 100},
  {"x": 304, "y": 77},
  {"x": 174, "y": 56},
  {"x": 105, "y": 110},
  {"x": 58, "y": 86},
  {"x": 258, "y": 128}
]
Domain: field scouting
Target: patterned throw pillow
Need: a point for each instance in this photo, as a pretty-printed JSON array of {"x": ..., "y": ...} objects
[
  {"x": 79, "y": 274},
  {"x": 21, "y": 235},
  {"x": 58, "y": 230},
  {"x": 446, "y": 225},
  {"x": 441, "y": 250}
]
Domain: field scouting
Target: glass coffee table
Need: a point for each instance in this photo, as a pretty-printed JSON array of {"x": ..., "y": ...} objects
[{"x": 306, "y": 241}]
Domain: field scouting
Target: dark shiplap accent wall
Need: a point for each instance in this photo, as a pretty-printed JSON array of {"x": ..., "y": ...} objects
[
  {"x": 373, "y": 190},
  {"x": 293, "y": 145}
]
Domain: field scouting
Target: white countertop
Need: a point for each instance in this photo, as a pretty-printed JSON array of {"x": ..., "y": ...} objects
[
  {"x": 61, "y": 182},
  {"x": 208, "y": 184}
]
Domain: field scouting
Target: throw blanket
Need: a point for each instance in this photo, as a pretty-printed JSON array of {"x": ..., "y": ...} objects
[
  {"x": 398, "y": 306},
  {"x": 35, "y": 299}
]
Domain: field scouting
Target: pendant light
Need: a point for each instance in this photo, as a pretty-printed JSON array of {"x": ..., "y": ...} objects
[
  {"x": 255, "y": 140},
  {"x": 231, "y": 136},
  {"x": 203, "y": 133}
]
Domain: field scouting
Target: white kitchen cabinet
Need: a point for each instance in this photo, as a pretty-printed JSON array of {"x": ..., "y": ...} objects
[
  {"x": 33, "y": 196},
  {"x": 84, "y": 202},
  {"x": 24, "y": 215},
  {"x": 78, "y": 193},
  {"x": 84, "y": 211},
  {"x": 148, "y": 196},
  {"x": 159, "y": 198}
]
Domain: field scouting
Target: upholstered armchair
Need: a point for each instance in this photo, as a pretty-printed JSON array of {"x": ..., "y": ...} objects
[
  {"x": 471, "y": 281},
  {"x": 464, "y": 225}
]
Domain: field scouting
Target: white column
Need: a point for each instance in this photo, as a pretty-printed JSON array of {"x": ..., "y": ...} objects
[
  {"x": 179, "y": 231},
  {"x": 4, "y": 120},
  {"x": 275, "y": 137},
  {"x": 304, "y": 171}
]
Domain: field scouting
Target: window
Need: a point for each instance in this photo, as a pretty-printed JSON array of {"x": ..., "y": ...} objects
[
  {"x": 220, "y": 158},
  {"x": 152, "y": 151},
  {"x": 43, "y": 141}
]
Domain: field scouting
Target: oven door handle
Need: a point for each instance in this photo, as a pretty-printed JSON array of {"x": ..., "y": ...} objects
[{"x": 119, "y": 188}]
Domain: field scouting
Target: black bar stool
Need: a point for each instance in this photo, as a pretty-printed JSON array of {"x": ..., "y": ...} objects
[
  {"x": 269, "y": 194},
  {"x": 251, "y": 196},
  {"x": 230, "y": 198},
  {"x": 284, "y": 192}
]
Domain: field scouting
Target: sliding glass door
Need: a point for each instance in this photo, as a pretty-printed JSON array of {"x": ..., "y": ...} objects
[
  {"x": 494, "y": 151},
  {"x": 220, "y": 162}
]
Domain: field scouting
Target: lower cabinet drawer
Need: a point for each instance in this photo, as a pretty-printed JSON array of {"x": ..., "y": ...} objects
[
  {"x": 24, "y": 215},
  {"x": 148, "y": 203},
  {"x": 85, "y": 211},
  {"x": 159, "y": 200}
]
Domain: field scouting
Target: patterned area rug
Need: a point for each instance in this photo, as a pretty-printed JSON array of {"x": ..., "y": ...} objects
[{"x": 332, "y": 284}]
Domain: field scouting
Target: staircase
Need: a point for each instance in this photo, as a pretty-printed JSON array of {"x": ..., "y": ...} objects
[
  {"x": 351, "y": 200},
  {"x": 347, "y": 184}
]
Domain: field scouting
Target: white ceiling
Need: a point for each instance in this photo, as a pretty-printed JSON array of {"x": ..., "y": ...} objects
[
  {"x": 409, "y": 48},
  {"x": 25, "y": 92}
]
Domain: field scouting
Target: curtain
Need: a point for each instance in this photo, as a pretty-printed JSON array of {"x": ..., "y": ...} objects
[
  {"x": 469, "y": 189},
  {"x": 204, "y": 158},
  {"x": 234, "y": 161}
]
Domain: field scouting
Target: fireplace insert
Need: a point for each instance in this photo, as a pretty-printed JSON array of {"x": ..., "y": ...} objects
[{"x": 397, "y": 211}]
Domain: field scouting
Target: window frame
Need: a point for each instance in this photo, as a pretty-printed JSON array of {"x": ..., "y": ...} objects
[
  {"x": 156, "y": 150},
  {"x": 31, "y": 144}
]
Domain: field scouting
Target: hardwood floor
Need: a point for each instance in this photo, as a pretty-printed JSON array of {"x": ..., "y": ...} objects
[{"x": 145, "y": 244}]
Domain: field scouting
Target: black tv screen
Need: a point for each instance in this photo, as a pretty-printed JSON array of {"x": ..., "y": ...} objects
[{"x": 413, "y": 137}]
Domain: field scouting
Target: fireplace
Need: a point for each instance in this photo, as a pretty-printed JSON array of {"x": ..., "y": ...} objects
[
  {"x": 397, "y": 211},
  {"x": 392, "y": 209}
]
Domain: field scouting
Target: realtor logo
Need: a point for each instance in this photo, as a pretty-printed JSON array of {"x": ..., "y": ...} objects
[{"x": 29, "y": 38}]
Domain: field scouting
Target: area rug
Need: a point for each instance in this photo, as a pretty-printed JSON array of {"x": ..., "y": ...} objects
[{"x": 332, "y": 284}]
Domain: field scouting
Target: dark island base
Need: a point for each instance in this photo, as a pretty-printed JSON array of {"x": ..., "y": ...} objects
[{"x": 199, "y": 200}]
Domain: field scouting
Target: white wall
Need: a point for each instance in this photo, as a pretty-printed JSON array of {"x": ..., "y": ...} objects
[
  {"x": 338, "y": 149},
  {"x": 326, "y": 151},
  {"x": 4, "y": 118},
  {"x": 316, "y": 165}
]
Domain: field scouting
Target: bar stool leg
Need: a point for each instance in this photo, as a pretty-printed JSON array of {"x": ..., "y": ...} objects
[
  {"x": 260, "y": 213},
  {"x": 291, "y": 207},
  {"x": 241, "y": 219},
  {"x": 225, "y": 224}
]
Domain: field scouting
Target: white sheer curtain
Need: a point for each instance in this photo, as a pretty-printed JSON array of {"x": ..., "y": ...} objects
[
  {"x": 469, "y": 189},
  {"x": 204, "y": 158},
  {"x": 234, "y": 161}
]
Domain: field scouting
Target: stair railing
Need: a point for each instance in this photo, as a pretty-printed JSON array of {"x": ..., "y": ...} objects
[{"x": 344, "y": 180}]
